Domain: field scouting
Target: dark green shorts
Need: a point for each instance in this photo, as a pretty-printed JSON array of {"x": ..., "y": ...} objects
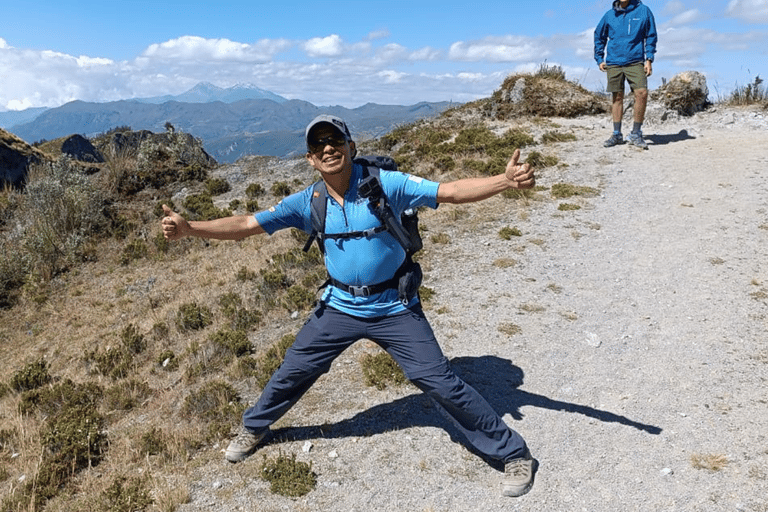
[{"x": 634, "y": 74}]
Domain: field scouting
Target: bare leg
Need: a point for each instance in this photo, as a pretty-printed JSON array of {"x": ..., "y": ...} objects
[
  {"x": 617, "y": 107},
  {"x": 641, "y": 100}
]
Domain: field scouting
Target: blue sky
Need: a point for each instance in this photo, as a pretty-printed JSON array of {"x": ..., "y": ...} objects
[{"x": 348, "y": 53}]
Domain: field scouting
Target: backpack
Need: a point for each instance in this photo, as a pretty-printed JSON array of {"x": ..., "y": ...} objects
[{"x": 405, "y": 230}]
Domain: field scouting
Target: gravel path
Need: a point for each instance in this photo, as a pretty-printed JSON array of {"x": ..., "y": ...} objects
[{"x": 624, "y": 340}]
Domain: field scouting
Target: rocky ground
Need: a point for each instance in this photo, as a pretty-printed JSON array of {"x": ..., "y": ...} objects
[{"x": 624, "y": 340}]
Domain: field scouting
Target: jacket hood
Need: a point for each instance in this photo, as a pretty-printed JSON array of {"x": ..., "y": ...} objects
[{"x": 630, "y": 7}]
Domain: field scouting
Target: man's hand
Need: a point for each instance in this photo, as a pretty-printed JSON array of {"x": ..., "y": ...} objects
[
  {"x": 521, "y": 175},
  {"x": 174, "y": 225},
  {"x": 603, "y": 66},
  {"x": 648, "y": 68}
]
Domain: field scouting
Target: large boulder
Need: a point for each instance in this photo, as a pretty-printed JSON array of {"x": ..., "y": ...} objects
[
  {"x": 686, "y": 93},
  {"x": 80, "y": 148},
  {"x": 16, "y": 156},
  {"x": 546, "y": 93}
]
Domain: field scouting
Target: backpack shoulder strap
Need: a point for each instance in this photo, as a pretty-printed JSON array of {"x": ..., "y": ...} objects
[{"x": 317, "y": 208}]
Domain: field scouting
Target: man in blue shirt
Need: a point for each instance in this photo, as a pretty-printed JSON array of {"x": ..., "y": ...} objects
[
  {"x": 628, "y": 33},
  {"x": 343, "y": 317}
]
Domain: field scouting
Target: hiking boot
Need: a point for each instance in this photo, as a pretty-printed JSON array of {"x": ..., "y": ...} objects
[
  {"x": 518, "y": 475},
  {"x": 615, "y": 140},
  {"x": 636, "y": 139},
  {"x": 243, "y": 445}
]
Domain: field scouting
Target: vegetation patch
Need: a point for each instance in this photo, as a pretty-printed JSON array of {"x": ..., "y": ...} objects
[
  {"x": 507, "y": 232},
  {"x": 216, "y": 403},
  {"x": 127, "y": 494},
  {"x": 32, "y": 376},
  {"x": 509, "y": 329},
  {"x": 192, "y": 316},
  {"x": 287, "y": 476},
  {"x": 380, "y": 370},
  {"x": 710, "y": 461},
  {"x": 565, "y": 190}
]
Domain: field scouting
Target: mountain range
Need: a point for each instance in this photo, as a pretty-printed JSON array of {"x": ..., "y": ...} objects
[{"x": 232, "y": 122}]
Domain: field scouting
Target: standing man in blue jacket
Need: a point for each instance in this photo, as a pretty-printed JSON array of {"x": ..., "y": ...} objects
[
  {"x": 628, "y": 32},
  {"x": 368, "y": 306}
]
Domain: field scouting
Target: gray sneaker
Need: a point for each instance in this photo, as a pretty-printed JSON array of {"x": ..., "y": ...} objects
[
  {"x": 636, "y": 139},
  {"x": 615, "y": 140},
  {"x": 518, "y": 475},
  {"x": 243, "y": 445}
]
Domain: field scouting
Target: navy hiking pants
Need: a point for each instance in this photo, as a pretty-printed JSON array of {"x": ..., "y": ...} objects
[{"x": 409, "y": 339}]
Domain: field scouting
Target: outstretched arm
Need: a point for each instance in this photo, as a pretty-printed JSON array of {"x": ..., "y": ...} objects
[
  {"x": 470, "y": 190},
  {"x": 229, "y": 228}
]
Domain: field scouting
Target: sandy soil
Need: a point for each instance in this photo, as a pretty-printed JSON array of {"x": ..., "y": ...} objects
[{"x": 641, "y": 356}]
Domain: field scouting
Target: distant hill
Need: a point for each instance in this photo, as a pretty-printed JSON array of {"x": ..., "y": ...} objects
[
  {"x": 205, "y": 92},
  {"x": 228, "y": 130},
  {"x": 14, "y": 117}
]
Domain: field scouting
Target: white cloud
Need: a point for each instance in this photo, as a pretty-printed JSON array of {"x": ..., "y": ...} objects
[
  {"x": 673, "y": 8},
  {"x": 391, "y": 77},
  {"x": 498, "y": 49},
  {"x": 330, "y": 46},
  {"x": 426, "y": 53},
  {"x": 199, "y": 49},
  {"x": 749, "y": 11},
  {"x": 686, "y": 17}
]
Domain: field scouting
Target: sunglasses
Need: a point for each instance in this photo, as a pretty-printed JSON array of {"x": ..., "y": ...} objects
[{"x": 317, "y": 145}]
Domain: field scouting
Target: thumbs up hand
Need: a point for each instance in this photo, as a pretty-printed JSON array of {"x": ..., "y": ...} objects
[{"x": 174, "y": 225}]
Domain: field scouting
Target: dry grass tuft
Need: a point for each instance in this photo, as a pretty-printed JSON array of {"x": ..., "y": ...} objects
[{"x": 711, "y": 462}]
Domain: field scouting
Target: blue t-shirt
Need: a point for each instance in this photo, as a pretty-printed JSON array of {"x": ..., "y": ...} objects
[{"x": 357, "y": 261}]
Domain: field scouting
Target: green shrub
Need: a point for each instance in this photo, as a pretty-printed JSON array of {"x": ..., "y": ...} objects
[
  {"x": 135, "y": 250},
  {"x": 202, "y": 206},
  {"x": 506, "y": 233},
  {"x": 299, "y": 298},
  {"x": 126, "y": 395},
  {"x": 553, "y": 136},
  {"x": 32, "y": 376},
  {"x": 563, "y": 190},
  {"x": 380, "y": 370},
  {"x": 565, "y": 207},
  {"x": 133, "y": 340},
  {"x": 216, "y": 403},
  {"x": 114, "y": 362},
  {"x": 127, "y": 495},
  {"x": 61, "y": 211},
  {"x": 254, "y": 190},
  {"x": 287, "y": 476},
  {"x": 73, "y": 438},
  {"x": 280, "y": 189},
  {"x": 217, "y": 186},
  {"x": 191, "y": 316},
  {"x": 266, "y": 365},
  {"x": 153, "y": 442},
  {"x": 235, "y": 342}
]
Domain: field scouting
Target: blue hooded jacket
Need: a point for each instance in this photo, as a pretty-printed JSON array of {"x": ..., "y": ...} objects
[{"x": 630, "y": 35}]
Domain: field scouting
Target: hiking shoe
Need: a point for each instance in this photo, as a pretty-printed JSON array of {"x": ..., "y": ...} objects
[
  {"x": 636, "y": 139},
  {"x": 243, "y": 445},
  {"x": 615, "y": 140},
  {"x": 518, "y": 475}
]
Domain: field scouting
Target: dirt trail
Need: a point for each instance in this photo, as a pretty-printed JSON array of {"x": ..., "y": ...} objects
[{"x": 642, "y": 320}]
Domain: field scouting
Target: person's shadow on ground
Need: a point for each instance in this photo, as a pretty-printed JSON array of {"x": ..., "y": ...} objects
[
  {"x": 494, "y": 378},
  {"x": 662, "y": 139}
]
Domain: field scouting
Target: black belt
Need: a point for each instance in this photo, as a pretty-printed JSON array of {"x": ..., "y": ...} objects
[
  {"x": 371, "y": 289},
  {"x": 366, "y": 290}
]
